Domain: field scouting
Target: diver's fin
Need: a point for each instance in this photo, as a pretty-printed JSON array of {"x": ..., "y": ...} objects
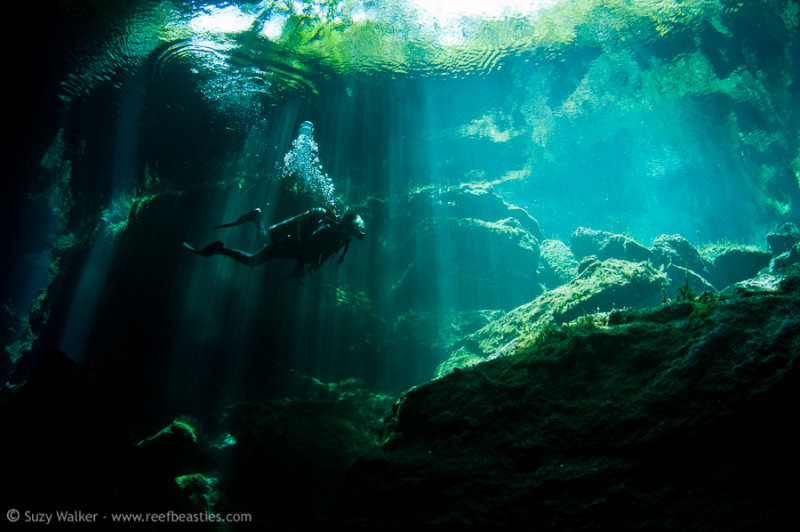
[
  {"x": 211, "y": 249},
  {"x": 251, "y": 216}
]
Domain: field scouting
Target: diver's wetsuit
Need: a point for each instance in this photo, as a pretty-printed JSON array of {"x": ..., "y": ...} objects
[{"x": 310, "y": 238}]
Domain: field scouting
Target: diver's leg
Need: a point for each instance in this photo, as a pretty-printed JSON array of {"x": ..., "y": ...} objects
[
  {"x": 263, "y": 237},
  {"x": 211, "y": 249},
  {"x": 248, "y": 259},
  {"x": 254, "y": 217}
]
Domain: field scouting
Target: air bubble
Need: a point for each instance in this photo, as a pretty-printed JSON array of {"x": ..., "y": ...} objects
[{"x": 302, "y": 166}]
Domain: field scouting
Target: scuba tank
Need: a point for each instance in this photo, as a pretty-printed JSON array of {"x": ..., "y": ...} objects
[{"x": 300, "y": 226}]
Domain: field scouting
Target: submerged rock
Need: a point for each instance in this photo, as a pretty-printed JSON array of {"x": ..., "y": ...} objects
[
  {"x": 665, "y": 419},
  {"x": 783, "y": 239},
  {"x": 558, "y": 264},
  {"x": 785, "y": 260},
  {"x": 738, "y": 264},
  {"x": 717, "y": 267},
  {"x": 67, "y": 445},
  {"x": 685, "y": 284},
  {"x": 176, "y": 449},
  {"x": 290, "y": 457},
  {"x": 674, "y": 249},
  {"x": 604, "y": 245},
  {"x": 600, "y": 287}
]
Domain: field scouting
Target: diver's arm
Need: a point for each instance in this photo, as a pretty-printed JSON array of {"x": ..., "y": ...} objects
[{"x": 344, "y": 252}]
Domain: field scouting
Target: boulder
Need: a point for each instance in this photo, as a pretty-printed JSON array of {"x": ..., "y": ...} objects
[
  {"x": 782, "y": 239},
  {"x": 604, "y": 245},
  {"x": 737, "y": 264},
  {"x": 674, "y": 249}
]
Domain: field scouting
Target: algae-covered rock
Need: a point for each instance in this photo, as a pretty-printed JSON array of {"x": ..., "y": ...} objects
[
  {"x": 601, "y": 287},
  {"x": 558, "y": 264},
  {"x": 671, "y": 418},
  {"x": 201, "y": 490},
  {"x": 176, "y": 449},
  {"x": 674, "y": 249},
  {"x": 604, "y": 245}
]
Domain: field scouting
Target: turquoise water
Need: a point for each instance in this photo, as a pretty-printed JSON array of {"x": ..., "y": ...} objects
[{"x": 155, "y": 121}]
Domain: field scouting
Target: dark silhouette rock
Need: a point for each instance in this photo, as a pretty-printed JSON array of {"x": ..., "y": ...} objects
[
  {"x": 67, "y": 446},
  {"x": 738, "y": 264},
  {"x": 662, "y": 419},
  {"x": 782, "y": 239},
  {"x": 290, "y": 457}
]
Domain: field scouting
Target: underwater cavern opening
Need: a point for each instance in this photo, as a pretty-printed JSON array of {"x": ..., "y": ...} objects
[{"x": 474, "y": 231}]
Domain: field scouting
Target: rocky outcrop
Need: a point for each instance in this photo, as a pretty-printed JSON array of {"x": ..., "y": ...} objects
[
  {"x": 470, "y": 200},
  {"x": 600, "y": 287},
  {"x": 674, "y": 249},
  {"x": 585, "y": 242},
  {"x": 663, "y": 419},
  {"x": 615, "y": 272},
  {"x": 720, "y": 266},
  {"x": 558, "y": 263}
]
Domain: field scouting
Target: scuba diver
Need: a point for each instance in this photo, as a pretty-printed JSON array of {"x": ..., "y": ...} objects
[{"x": 310, "y": 238}]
